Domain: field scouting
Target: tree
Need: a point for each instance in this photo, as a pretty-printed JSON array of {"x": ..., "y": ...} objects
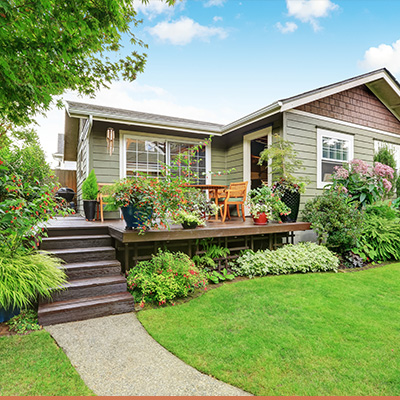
[{"x": 49, "y": 46}]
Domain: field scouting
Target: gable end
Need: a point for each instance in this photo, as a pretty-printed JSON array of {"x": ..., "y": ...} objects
[{"x": 358, "y": 106}]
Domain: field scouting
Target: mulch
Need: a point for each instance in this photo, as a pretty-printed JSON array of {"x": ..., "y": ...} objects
[{"x": 5, "y": 331}]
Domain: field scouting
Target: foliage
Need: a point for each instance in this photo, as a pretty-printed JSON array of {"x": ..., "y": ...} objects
[
  {"x": 166, "y": 195},
  {"x": 385, "y": 156},
  {"x": 49, "y": 46},
  {"x": 303, "y": 257},
  {"x": 90, "y": 188},
  {"x": 26, "y": 321},
  {"x": 165, "y": 277},
  {"x": 189, "y": 217},
  {"x": 27, "y": 188},
  {"x": 335, "y": 218},
  {"x": 363, "y": 183},
  {"x": 216, "y": 277},
  {"x": 382, "y": 209},
  {"x": 284, "y": 162},
  {"x": 331, "y": 334},
  {"x": 34, "y": 365},
  {"x": 380, "y": 239},
  {"x": 24, "y": 276},
  {"x": 262, "y": 199},
  {"x": 208, "y": 253}
]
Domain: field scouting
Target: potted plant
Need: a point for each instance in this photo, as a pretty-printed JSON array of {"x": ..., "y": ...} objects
[
  {"x": 263, "y": 203},
  {"x": 189, "y": 219},
  {"x": 136, "y": 197},
  {"x": 283, "y": 161},
  {"x": 90, "y": 190}
]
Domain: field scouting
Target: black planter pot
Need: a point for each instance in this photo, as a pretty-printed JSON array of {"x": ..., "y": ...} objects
[
  {"x": 292, "y": 200},
  {"x": 89, "y": 206},
  {"x": 189, "y": 225}
]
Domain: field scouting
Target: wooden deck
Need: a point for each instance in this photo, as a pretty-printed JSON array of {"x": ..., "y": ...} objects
[
  {"x": 235, "y": 235},
  {"x": 217, "y": 229}
]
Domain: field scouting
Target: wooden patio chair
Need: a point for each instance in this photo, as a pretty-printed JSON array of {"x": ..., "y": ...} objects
[
  {"x": 101, "y": 202},
  {"x": 235, "y": 195}
]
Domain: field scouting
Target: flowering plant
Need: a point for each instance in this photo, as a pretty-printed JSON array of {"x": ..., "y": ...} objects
[
  {"x": 165, "y": 277},
  {"x": 362, "y": 182},
  {"x": 263, "y": 199}
]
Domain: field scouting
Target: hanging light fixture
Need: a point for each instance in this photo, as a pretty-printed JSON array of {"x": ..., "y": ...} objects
[{"x": 110, "y": 140}]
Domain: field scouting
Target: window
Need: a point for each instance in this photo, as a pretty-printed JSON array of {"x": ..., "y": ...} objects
[
  {"x": 395, "y": 148},
  {"x": 333, "y": 150},
  {"x": 148, "y": 155}
]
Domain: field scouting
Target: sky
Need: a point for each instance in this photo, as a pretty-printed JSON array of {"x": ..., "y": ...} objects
[{"x": 219, "y": 60}]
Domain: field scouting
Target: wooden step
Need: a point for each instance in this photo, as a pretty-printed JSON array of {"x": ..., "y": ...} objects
[
  {"x": 54, "y": 231},
  {"x": 81, "y": 288},
  {"x": 86, "y": 308},
  {"x": 85, "y": 254},
  {"x": 71, "y": 242},
  {"x": 92, "y": 269}
]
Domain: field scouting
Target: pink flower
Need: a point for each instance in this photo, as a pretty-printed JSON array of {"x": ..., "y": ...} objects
[
  {"x": 359, "y": 166},
  {"x": 341, "y": 173},
  {"x": 386, "y": 184},
  {"x": 383, "y": 170}
]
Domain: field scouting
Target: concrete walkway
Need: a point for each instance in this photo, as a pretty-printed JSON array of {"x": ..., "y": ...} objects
[{"x": 115, "y": 356}]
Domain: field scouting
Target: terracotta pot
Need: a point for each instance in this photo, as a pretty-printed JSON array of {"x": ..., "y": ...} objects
[{"x": 261, "y": 220}]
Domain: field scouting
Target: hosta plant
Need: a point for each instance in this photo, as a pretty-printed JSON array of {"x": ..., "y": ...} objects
[{"x": 303, "y": 257}]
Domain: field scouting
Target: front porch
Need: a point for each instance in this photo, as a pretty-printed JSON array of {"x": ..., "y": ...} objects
[{"x": 235, "y": 235}]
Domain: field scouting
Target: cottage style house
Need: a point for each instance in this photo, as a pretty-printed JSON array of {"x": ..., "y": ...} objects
[{"x": 328, "y": 125}]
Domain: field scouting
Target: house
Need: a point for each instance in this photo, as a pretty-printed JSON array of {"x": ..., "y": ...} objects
[{"x": 328, "y": 126}]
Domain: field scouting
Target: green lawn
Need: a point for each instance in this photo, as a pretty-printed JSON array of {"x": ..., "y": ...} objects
[
  {"x": 33, "y": 365},
  {"x": 315, "y": 334}
]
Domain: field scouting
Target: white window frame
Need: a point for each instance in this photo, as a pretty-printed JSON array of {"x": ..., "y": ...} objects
[
  {"x": 334, "y": 135},
  {"x": 160, "y": 138},
  {"x": 395, "y": 147}
]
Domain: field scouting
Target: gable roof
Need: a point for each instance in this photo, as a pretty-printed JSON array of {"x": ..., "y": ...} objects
[{"x": 381, "y": 82}]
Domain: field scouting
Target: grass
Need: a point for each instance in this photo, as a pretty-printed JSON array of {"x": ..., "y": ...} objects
[
  {"x": 33, "y": 365},
  {"x": 309, "y": 335}
]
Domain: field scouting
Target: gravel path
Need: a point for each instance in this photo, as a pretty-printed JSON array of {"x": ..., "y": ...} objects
[{"x": 115, "y": 356}]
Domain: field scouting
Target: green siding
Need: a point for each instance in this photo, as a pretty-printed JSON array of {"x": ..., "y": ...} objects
[
  {"x": 302, "y": 131},
  {"x": 218, "y": 164}
]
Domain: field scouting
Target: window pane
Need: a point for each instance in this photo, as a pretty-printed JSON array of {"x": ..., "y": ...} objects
[
  {"x": 328, "y": 169},
  {"x": 335, "y": 149}
]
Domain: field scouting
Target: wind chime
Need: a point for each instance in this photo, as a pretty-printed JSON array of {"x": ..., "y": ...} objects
[{"x": 110, "y": 140}]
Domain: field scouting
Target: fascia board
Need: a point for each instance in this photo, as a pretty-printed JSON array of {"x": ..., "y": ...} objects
[
  {"x": 156, "y": 124},
  {"x": 331, "y": 91},
  {"x": 272, "y": 109}
]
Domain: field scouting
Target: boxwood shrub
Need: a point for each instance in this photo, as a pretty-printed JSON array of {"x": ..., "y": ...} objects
[{"x": 303, "y": 257}]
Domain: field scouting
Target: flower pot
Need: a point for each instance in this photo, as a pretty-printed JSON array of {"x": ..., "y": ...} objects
[
  {"x": 89, "y": 206},
  {"x": 261, "y": 220},
  {"x": 292, "y": 200},
  {"x": 7, "y": 314},
  {"x": 189, "y": 225},
  {"x": 136, "y": 217}
]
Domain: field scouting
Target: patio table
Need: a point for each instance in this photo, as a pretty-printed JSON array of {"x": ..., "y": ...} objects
[{"x": 213, "y": 189}]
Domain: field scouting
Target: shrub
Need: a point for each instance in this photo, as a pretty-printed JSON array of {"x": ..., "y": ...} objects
[
  {"x": 24, "y": 276},
  {"x": 382, "y": 209},
  {"x": 335, "y": 219},
  {"x": 303, "y": 257},
  {"x": 380, "y": 239},
  {"x": 165, "y": 277},
  {"x": 362, "y": 183},
  {"x": 90, "y": 188},
  {"x": 385, "y": 156}
]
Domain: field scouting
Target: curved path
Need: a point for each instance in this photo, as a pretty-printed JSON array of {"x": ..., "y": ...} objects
[{"x": 115, "y": 356}]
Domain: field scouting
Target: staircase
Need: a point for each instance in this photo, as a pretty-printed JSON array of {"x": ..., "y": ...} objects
[{"x": 95, "y": 286}]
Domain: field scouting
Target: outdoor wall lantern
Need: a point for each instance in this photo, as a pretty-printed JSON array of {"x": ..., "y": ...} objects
[{"x": 110, "y": 140}]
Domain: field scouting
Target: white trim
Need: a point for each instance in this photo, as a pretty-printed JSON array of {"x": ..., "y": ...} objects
[
  {"x": 208, "y": 164},
  {"x": 336, "y": 135},
  {"x": 247, "y": 152},
  {"x": 123, "y": 135},
  {"x": 338, "y": 121}
]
